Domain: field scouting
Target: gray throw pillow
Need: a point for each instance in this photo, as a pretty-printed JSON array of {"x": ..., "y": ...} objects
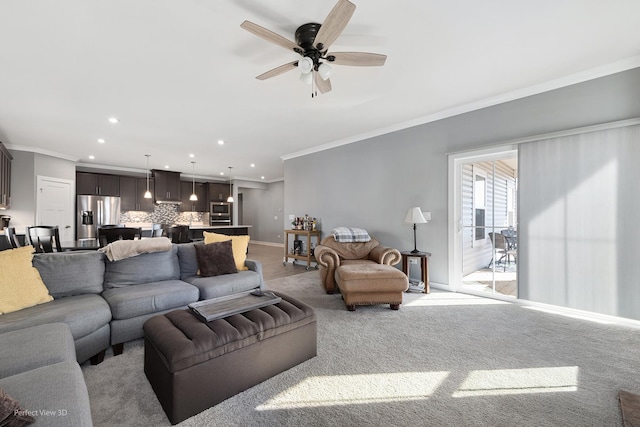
[{"x": 215, "y": 259}]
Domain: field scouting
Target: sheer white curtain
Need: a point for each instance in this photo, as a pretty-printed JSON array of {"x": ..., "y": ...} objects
[{"x": 579, "y": 221}]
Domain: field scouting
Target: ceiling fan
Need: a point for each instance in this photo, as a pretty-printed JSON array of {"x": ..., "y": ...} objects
[{"x": 312, "y": 43}]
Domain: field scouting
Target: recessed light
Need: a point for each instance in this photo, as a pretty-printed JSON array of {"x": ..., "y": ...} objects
[
  {"x": 220, "y": 142},
  {"x": 192, "y": 155},
  {"x": 101, "y": 140},
  {"x": 113, "y": 120},
  {"x": 221, "y": 173},
  {"x": 166, "y": 166},
  {"x": 253, "y": 165},
  {"x": 262, "y": 177},
  {"x": 92, "y": 157}
]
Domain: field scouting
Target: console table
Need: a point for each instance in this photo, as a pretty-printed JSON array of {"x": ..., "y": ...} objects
[{"x": 424, "y": 265}]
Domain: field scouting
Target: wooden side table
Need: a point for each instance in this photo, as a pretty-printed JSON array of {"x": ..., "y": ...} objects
[{"x": 424, "y": 265}]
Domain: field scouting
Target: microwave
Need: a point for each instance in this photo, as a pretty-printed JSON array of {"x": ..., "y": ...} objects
[{"x": 220, "y": 209}]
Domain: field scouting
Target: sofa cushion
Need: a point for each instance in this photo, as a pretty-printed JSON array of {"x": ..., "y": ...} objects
[
  {"x": 83, "y": 313},
  {"x": 215, "y": 259},
  {"x": 34, "y": 347},
  {"x": 132, "y": 301},
  {"x": 71, "y": 273},
  {"x": 11, "y": 414},
  {"x": 144, "y": 268},
  {"x": 20, "y": 283},
  {"x": 187, "y": 259},
  {"x": 218, "y": 286},
  {"x": 239, "y": 244}
]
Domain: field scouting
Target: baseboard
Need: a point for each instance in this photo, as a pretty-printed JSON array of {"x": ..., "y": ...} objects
[{"x": 257, "y": 242}]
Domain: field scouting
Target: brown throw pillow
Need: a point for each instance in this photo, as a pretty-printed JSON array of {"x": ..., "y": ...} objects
[
  {"x": 11, "y": 414},
  {"x": 215, "y": 259}
]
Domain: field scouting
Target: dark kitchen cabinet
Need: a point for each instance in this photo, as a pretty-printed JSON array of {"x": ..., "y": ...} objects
[
  {"x": 5, "y": 177},
  {"x": 186, "y": 189},
  {"x": 217, "y": 191},
  {"x": 166, "y": 186},
  {"x": 97, "y": 184},
  {"x": 132, "y": 191}
]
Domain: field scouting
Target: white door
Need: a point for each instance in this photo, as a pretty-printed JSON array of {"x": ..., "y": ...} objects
[{"x": 55, "y": 205}]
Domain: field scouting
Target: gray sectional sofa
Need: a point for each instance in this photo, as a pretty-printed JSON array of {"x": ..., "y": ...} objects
[{"x": 105, "y": 303}]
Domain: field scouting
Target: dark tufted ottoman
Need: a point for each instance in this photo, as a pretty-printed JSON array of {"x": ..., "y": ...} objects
[{"x": 193, "y": 365}]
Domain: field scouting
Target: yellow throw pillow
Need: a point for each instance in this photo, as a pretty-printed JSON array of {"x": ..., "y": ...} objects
[
  {"x": 239, "y": 245},
  {"x": 20, "y": 283}
]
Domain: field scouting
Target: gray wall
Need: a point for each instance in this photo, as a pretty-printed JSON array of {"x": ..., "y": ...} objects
[
  {"x": 25, "y": 168},
  {"x": 372, "y": 183},
  {"x": 263, "y": 210}
]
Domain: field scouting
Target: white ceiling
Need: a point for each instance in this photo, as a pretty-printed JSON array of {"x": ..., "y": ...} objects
[{"x": 181, "y": 74}]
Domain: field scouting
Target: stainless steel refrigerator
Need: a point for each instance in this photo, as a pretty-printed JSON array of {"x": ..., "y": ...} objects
[{"x": 94, "y": 212}]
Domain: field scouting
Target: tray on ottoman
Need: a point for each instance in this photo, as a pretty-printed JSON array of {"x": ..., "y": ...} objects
[{"x": 217, "y": 308}]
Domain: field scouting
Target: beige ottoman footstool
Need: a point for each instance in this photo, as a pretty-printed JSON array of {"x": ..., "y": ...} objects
[{"x": 369, "y": 284}]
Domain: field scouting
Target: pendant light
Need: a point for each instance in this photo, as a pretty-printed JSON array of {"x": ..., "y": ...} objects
[
  {"x": 230, "y": 198},
  {"x": 193, "y": 197},
  {"x": 147, "y": 194}
]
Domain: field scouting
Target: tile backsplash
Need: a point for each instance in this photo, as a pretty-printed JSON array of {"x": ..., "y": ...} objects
[{"x": 163, "y": 213}]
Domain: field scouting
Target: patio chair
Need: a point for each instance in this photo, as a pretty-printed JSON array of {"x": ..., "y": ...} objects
[{"x": 501, "y": 247}]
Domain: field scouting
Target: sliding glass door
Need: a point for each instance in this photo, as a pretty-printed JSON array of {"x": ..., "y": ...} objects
[{"x": 486, "y": 235}]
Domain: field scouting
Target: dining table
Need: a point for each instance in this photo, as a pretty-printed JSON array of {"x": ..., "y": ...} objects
[{"x": 80, "y": 245}]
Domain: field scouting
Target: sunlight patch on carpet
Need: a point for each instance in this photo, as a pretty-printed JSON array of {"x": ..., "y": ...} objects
[
  {"x": 450, "y": 298},
  {"x": 591, "y": 317},
  {"x": 357, "y": 389},
  {"x": 519, "y": 381}
]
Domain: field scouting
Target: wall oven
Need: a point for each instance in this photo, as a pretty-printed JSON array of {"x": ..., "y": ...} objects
[{"x": 220, "y": 213}]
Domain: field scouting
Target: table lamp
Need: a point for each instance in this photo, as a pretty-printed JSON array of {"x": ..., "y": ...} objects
[{"x": 415, "y": 216}]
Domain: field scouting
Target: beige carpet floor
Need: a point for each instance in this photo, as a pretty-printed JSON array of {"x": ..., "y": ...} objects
[{"x": 441, "y": 360}]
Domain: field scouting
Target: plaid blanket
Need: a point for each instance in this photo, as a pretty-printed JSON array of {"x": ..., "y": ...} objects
[{"x": 348, "y": 234}]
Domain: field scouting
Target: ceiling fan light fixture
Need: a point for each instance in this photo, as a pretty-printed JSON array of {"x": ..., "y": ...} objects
[
  {"x": 324, "y": 70},
  {"x": 305, "y": 65},
  {"x": 306, "y": 78}
]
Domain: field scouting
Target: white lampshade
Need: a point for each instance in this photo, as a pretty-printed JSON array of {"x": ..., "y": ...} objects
[
  {"x": 415, "y": 216},
  {"x": 305, "y": 65},
  {"x": 324, "y": 70},
  {"x": 193, "y": 197},
  {"x": 147, "y": 194},
  {"x": 230, "y": 199},
  {"x": 306, "y": 78}
]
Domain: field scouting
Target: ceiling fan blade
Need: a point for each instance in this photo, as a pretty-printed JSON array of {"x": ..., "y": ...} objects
[
  {"x": 269, "y": 35},
  {"x": 361, "y": 59},
  {"x": 323, "y": 86},
  {"x": 334, "y": 23},
  {"x": 278, "y": 70}
]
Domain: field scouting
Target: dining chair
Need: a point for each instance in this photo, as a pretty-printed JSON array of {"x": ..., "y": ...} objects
[
  {"x": 177, "y": 233},
  {"x": 44, "y": 238},
  {"x": 108, "y": 235},
  {"x": 12, "y": 238}
]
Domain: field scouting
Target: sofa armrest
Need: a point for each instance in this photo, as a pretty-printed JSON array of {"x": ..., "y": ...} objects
[
  {"x": 328, "y": 260},
  {"x": 326, "y": 257},
  {"x": 385, "y": 255},
  {"x": 256, "y": 266}
]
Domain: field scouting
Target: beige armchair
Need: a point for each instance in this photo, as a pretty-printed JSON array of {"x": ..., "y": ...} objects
[{"x": 330, "y": 255}]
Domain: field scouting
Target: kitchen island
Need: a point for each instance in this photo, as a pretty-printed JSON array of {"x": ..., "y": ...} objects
[{"x": 195, "y": 231}]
